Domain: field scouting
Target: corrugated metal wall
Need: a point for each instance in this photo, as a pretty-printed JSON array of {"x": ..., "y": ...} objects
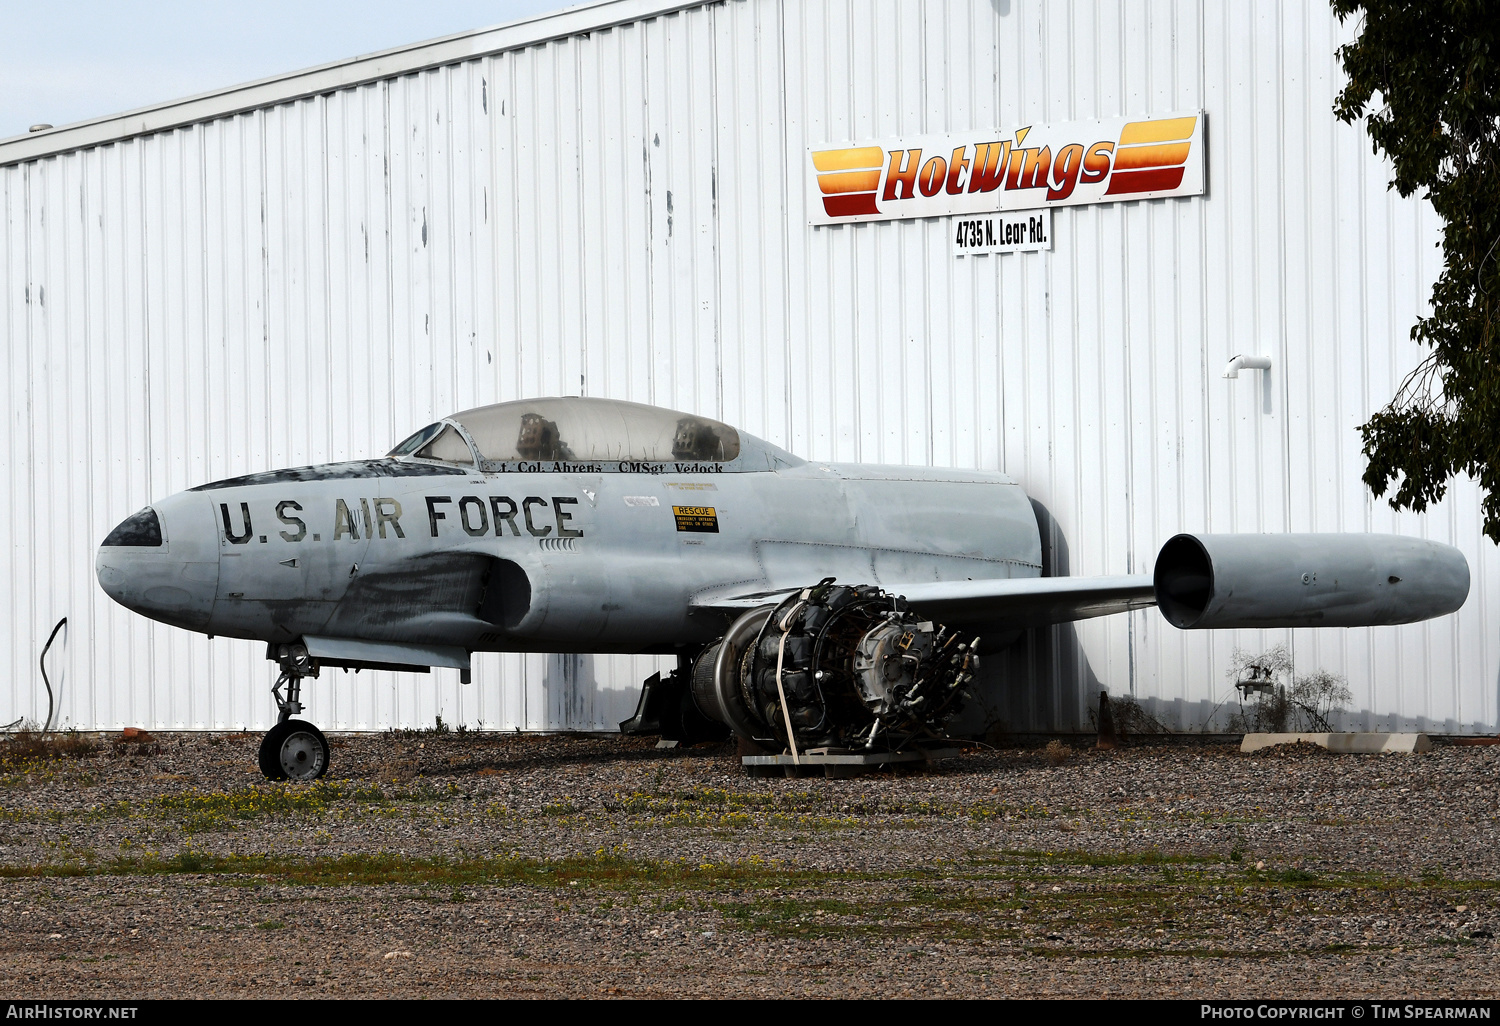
[{"x": 621, "y": 213}]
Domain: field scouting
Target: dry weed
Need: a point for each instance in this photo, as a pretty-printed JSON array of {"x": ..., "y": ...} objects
[
  {"x": 397, "y": 771},
  {"x": 30, "y": 743}
]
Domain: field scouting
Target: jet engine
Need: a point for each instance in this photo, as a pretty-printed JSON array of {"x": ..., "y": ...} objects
[{"x": 835, "y": 666}]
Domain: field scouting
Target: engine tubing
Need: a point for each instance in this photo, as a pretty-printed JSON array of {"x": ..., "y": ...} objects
[
  {"x": 812, "y": 676},
  {"x": 775, "y": 618},
  {"x": 746, "y": 685}
]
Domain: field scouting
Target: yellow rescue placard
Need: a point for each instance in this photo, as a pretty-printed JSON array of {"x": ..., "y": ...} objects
[{"x": 701, "y": 519}]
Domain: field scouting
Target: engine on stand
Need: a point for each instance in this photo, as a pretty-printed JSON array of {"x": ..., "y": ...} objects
[{"x": 831, "y": 669}]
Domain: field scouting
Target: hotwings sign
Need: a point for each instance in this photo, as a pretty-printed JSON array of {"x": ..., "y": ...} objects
[{"x": 1027, "y": 168}]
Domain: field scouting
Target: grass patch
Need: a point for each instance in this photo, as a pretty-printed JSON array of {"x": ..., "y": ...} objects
[
  {"x": 954, "y": 909},
  {"x": 196, "y": 810},
  {"x": 1045, "y": 903},
  {"x": 1293, "y": 876},
  {"x": 215, "y": 810},
  {"x": 1069, "y": 952},
  {"x": 604, "y": 869},
  {"x": 438, "y": 729},
  {"x": 30, "y": 756},
  {"x": 1095, "y": 859},
  {"x": 719, "y": 807}
]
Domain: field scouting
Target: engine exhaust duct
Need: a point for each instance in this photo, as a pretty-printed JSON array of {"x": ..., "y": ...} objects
[{"x": 1306, "y": 580}]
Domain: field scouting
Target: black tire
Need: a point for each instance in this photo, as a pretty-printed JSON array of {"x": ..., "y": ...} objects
[{"x": 294, "y": 750}]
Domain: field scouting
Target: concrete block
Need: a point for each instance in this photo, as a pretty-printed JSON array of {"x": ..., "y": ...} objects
[{"x": 1371, "y": 743}]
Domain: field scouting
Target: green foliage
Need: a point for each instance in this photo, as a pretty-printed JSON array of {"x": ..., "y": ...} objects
[{"x": 1426, "y": 72}]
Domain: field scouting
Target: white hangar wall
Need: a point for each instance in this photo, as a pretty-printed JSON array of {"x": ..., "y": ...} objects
[{"x": 612, "y": 202}]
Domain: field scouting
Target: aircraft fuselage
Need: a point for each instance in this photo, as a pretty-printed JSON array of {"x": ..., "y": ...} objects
[{"x": 551, "y": 555}]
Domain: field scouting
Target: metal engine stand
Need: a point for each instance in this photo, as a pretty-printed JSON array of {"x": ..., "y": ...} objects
[{"x": 837, "y": 762}]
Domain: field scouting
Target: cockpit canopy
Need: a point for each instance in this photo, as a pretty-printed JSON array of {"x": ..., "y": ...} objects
[{"x": 602, "y": 432}]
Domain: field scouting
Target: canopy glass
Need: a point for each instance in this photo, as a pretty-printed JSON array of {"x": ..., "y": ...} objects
[{"x": 578, "y": 429}]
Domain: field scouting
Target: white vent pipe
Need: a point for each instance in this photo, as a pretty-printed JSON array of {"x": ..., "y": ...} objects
[{"x": 1246, "y": 363}]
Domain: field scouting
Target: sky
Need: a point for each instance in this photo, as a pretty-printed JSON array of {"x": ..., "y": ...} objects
[{"x": 71, "y": 60}]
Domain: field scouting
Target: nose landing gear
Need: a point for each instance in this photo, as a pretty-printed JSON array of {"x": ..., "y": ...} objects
[{"x": 293, "y": 749}]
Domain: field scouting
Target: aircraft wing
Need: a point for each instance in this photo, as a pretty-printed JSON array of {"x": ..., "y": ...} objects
[
  {"x": 1028, "y": 601},
  {"x": 1011, "y": 604}
]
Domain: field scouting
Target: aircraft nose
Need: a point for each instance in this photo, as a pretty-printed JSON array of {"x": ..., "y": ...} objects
[{"x": 162, "y": 562}]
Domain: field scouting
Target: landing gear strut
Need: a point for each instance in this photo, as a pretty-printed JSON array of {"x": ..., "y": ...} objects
[{"x": 293, "y": 749}]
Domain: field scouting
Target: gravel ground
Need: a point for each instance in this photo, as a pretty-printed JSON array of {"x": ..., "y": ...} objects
[{"x": 484, "y": 865}]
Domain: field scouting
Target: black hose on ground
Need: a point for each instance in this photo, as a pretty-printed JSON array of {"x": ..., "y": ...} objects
[{"x": 42, "y": 662}]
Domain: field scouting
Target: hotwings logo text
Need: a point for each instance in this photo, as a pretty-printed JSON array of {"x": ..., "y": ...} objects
[{"x": 1024, "y": 168}]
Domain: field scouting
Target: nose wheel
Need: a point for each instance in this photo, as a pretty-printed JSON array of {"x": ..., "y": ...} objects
[{"x": 293, "y": 749}]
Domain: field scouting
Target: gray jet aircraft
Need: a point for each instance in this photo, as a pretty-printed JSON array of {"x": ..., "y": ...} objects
[{"x": 809, "y": 604}]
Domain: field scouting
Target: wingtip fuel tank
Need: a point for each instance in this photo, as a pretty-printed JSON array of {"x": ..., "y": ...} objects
[{"x": 1307, "y": 580}]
